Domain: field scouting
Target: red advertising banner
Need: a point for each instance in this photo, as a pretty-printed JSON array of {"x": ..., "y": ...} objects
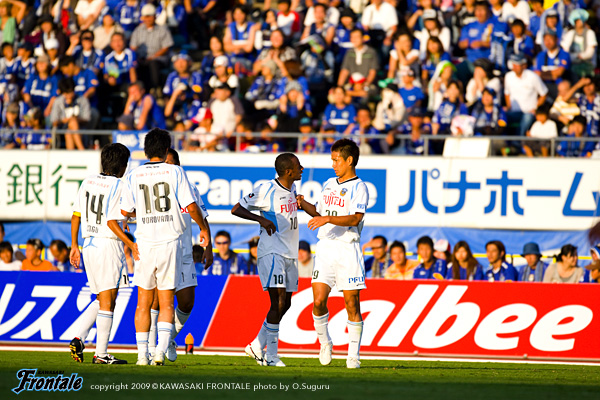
[{"x": 467, "y": 319}]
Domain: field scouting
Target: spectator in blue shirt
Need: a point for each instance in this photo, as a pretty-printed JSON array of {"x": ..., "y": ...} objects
[
  {"x": 499, "y": 270},
  {"x": 182, "y": 63},
  {"x": 41, "y": 88},
  {"x": 86, "y": 82},
  {"x": 553, "y": 64},
  {"x": 464, "y": 266},
  {"x": 33, "y": 136},
  {"x": 490, "y": 118},
  {"x": 85, "y": 55},
  {"x": 588, "y": 102},
  {"x": 265, "y": 92},
  {"x": 534, "y": 269},
  {"x": 450, "y": 108},
  {"x": 338, "y": 113},
  {"x": 535, "y": 19},
  {"x": 341, "y": 39},
  {"x": 10, "y": 126},
  {"x": 127, "y": 14},
  {"x": 226, "y": 262},
  {"x": 575, "y": 129},
  {"x": 411, "y": 94},
  {"x": 26, "y": 65},
  {"x": 377, "y": 264},
  {"x": 141, "y": 111},
  {"x": 519, "y": 42},
  {"x": 430, "y": 267},
  {"x": 207, "y": 68},
  {"x": 120, "y": 64},
  {"x": 362, "y": 129},
  {"x": 239, "y": 39}
]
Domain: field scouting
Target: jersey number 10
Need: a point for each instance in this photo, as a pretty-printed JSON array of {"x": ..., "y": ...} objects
[{"x": 157, "y": 197}]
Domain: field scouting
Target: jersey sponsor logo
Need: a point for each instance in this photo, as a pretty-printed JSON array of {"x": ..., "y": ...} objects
[
  {"x": 289, "y": 207},
  {"x": 333, "y": 200},
  {"x": 356, "y": 279}
]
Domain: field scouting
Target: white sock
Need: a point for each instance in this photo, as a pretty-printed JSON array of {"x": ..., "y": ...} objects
[
  {"x": 321, "y": 328},
  {"x": 261, "y": 339},
  {"x": 103, "y": 325},
  {"x": 180, "y": 319},
  {"x": 142, "y": 344},
  {"x": 88, "y": 320},
  {"x": 272, "y": 339},
  {"x": 355, "y": 330},
  {"x": 152, "y": 333},
  {"x": 164, "y": 336}
]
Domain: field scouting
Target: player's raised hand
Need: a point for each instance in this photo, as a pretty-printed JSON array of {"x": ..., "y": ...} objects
[
  {"x": 299, "y": 199},
  {"x": 75, "y": 257},
  {"x": 207, "y": 257},
  {"x": 268, "y": 226},
  {"x": 317, "y": 222}
]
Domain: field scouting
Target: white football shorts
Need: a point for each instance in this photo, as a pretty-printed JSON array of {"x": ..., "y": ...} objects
[
  {"x": 340, "y": 264},
  {"x": 159, "y": 265},
  {"x": 105, "y": 264},
  {"x": 276, "y": 271},
  {"x": 187, "y": 276}
]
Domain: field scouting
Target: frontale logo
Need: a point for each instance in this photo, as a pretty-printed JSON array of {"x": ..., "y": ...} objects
[{"x": 32, "y": 383}]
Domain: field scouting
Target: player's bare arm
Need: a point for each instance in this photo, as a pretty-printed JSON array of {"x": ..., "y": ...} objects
[
  {"x": 243, "y": 213},
  {"x": 197, "y": 217},
  {"x": 310, "y": 209},
  {"x": 114, "y": 226},
  {"x": 207, "y": 256},
  {"x": 345, "y": 220},
  {"x": 75, "y": 256}
]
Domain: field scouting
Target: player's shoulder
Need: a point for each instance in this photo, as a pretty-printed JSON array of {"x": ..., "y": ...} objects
[{"x": 329, "y": 182}]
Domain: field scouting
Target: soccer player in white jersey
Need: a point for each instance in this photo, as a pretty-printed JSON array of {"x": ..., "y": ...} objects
[
  {"x": 154, "y": 194},
  {"x": 339, "y": 215},
  {"x": 186, "y": 280},
  {"x": 277, "y": 250},
  {"x": 97, "y": 208}
]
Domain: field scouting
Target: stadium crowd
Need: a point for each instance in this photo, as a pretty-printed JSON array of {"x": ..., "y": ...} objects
[
  {"x": 434, "y": 260},
  {"x": 400, "y": 68}
]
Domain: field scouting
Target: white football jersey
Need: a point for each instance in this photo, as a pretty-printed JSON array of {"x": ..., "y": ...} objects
[
  {"x": 278, "y": 205},
  {"x": 340, "y": 199},
  {"x": 186, "y": 238},
  {"x": 157, "y": 192},
  {"x": 96, "y": 203}
]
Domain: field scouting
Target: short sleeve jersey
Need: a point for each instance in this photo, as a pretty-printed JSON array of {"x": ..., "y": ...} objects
[
  {"x": 277, "y": 204},
  {"x": 157, "y": 191},
  {"x": 97, "y": 202},
  {"x": 341, "y": 199}
]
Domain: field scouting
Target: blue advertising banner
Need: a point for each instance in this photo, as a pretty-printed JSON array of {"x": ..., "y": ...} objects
[{"x": 47, "y": 307}]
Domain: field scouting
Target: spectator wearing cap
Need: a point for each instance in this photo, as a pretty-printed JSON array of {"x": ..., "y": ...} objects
[
  {"x": 8, "y": 23},
  {"x": 451, "y": 107},
  {"x": 403, "y": 58},
  {"x": 565, "y": 269},
  {"x": 516, "y": 9},
  {"x": 564, "y": 8},
  {"x": 292, "y": 108},
  {"x": 227, "y": 111},
  {"x": 483, "y": 77},
  {"x": 26, "y": 63},
  {"x": 432, "y": 27},
  {"x": 341, "y": 40},
  {"x": 380, "y": 20},
  {"x": 361, "y": 58},
  {"x": 48, "y": 31},
  {"x": 552, "y": 64},
  {"x": 41, "y": 88},
  {"x": 305, "y": 260},
  {"x": 10, "y": 126},
  {"x": 338, "y": 113},
  {"x": 151, "y": 43},
  {"x": 378, "y": 263},
  {"x": 7, "y": 261},
  {"x": 51, "y": 46},
  {"x": 430, "y": 267},
  {"x": 581, "y": 44},
  {"x": 475, "y": 38},
  {"x": 102, "y": 34},
  {"x": 499, "y": 270},
  {"x": 357, "y": 91},
  {"x": 182, "y": 73},
  {"x": 549, "y": 22},
  {"x": 71, "y": 112},
  {"x": 592, "y": 271},
  {"x": 239, "y": 39},
  {"x": 490, "y": 118},
  {"x": 84, "y": 54},
  {"x": 264, "y": 93},
  {"x": 33, "y": 136},
  {"x": 534, "y": 269},
  {"x": 589, "y": 104},
  {"x": 524, "y": 92},
  {"x": 33, "y": 260},
  {"x": 287, "y": 20},
  {"x": 141, "y": 111},
  {"x": 88, "y": 12},
  {"x": 390, "y": 111},
  {"x": 463, "y": 265},
  {"x": 223, "y": 75}
]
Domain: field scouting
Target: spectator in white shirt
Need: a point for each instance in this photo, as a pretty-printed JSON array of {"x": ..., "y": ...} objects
[
  {"x": 543, "y": 128},
  {"x": 524, "y": 92},
  {"x": 380, "y": 20},
  {"x": 7, "y": 262},
  {"x": 517, "y": 9}
]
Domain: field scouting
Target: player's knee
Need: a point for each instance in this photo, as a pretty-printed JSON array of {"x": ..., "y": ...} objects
[
  {"x": 185, "y": 306},
  {"x": 320, "y": 304}
]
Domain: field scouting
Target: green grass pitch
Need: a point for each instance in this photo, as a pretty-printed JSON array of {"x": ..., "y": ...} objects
[{"x": 376, "y": 379}]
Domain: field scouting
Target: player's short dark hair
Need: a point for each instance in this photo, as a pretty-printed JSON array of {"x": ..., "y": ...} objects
[
  {"x": 347, "y": 148},
  {"x": 66, "y": 85},
  {"x": 65, "y": 61},
  {"x": 6, "y": 246},
  {"x": 382, "y": 238},
  {"x": 175, "y": 155},
  {"x": 283, "y": 162},
  {"x": 499, "y": 245},
  {"x": 37, "y": 243},
  {"x": 114, "y": 159},
  {"x": 156, "y": 143},
  {"x": 399, "y": 244},
  {"x": 60, "y": 245},
  {"x": 425, "y": 240},
  {"x": 197, "y": 253},
  {"x": 224, "y": 234}
]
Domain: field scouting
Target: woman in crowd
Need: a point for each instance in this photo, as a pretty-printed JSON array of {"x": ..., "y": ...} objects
[
  {"x": 464, "y": 266},
  {"x": 565, "y": 269}
]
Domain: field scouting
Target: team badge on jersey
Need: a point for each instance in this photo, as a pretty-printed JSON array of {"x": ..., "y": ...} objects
[{"x": 343, "y": 192}]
